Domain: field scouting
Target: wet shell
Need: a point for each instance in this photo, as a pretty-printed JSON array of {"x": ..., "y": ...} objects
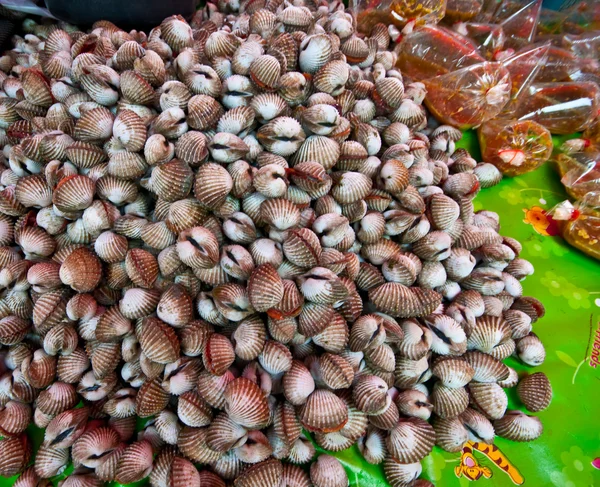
[
  {"x": 204, "y": 112},
  {"x": 327, "y": 471},
  {"x": 489, "y": 332},
  {"x": 332, "y": 77},
  {"x": 218, "y": 354},
  {"x": 398, "y": 300},
  {"x": 535, "y": 391},
  {"x": 264, "y": 473},
  {"x": 486, "y": 367},
  {"x": 401, "y": 474},
  {"x": 158, "y": 341},
  {"x": 265, "y": 287},
  {"x": 129, "y": 130},
  {"x": 449, "y": 402},
  {"x": 73, "y": 193},
  {"x": 16, "y": 453},
  {"x": 142, "y": 267},
  {"x": 489, "y": 398},
  {"x": 135, "y": 462},
  {"x": 518, "y": 426},
  {"x": 246, "y": 404},
  {"x": 453, "y": 372},
  {"x": 298, "y": 384},
  {"x": 410, "y": 440},
  {"x": 81, "y": 270},
  {"x": 150, "y": 399},
  {"x": 323, "y": 412},
  {"x": 451, "y": 434}
]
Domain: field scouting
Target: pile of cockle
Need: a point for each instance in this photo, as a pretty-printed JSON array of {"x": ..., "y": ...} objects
[{"x": 246, "y": 230}]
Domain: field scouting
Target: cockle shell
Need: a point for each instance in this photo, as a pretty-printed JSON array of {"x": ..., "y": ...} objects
[
  {"x": 535, "y": 391},
  {"x": 518, "y": 426}
]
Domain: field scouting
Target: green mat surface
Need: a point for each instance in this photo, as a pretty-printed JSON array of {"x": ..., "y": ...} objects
[{"x": 568, "y": 283}]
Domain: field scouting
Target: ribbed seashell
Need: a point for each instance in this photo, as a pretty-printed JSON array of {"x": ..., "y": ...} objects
[
  {"x": 478, "y": 426},
  {"x": 327, "y": 471},
  {"x": 449, "y": 402},
  {"x": 33, "y": 191},
  {"x": 150, "y": 399},
  {"x": 318, "y": 148},
  {"x": 246, "y": 404},
  {"x": 350, "y": 187},
  {"x": 237, "y": 261},
  {"x": 14, "y": 418},
  {"x": 453, "y": 371},
  {"x": 193, "y": 337},
  {"x": 61, "y": 339},
  {"x": 372, "y": 446},
  {"x": 64, "y": 429},
  {"x": 535, "y": 391},
  {"x": 81, "y": 270},
  {"x": 16, "y": 453},
  {"x": 414, "y": 403},
  {"x": 264, "y": 72},
  {"x": 193, "y": 411},
  {"x": 201, "y": 80},
  {"x": 218, "y": 354},
  {"x": 448, "y": 336},
  {"x": 489, "y": 332},
  {"x": 518, "y": 426},
  {"x": 322, "y": 286},
  {"x": 158, "y": 341},
  {"x": 224, "y": 434},
  {"x": 268, "y": 472},
  {"x": 158, "y": 150},
  {"x": 50, "y": 461},
  {"x": 14, "y": 330},
  {"x": 489, "y": 398},
  {"x": 265, "y": 287},
  {"x": 401, "y": 474},
  {"x": 70, "y": 368},
  {"x": 451, "y": 434},
  {"x": 135, "y": 462},
  {"x": 39, "y": 370},
  {"x": 150, "y": 67},
  {"x": 398, "y": 300},
  {"x": 35, "y": 88},
  {"x": 129, "y": 130},
  {"x": 204, "y": 112},
  {"x": 121, "y": 404},
  {"x": 314, "y": 52},
  {"x": 323, "y": 412},
  {"x": 94, "y": 125},
  {"x": 298, "y": 384},
  {"x": 90, "y": 448},
  {"x": 73, "y": 193},
  {"x": 142, "y": 267},
  {"x": 370, "y": 394},
  {"x": 331, "y": 78},
  {"x": 281, "y": 213},
  {"x": 335, "y": 371},
  {"x": 410, "y": 440}
]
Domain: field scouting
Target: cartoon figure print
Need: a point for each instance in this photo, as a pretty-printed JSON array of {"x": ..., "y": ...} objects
[{"x": 471, "y": 469}]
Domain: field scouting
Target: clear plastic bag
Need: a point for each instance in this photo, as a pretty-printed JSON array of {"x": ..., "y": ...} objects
[
  {"x": 470, "y": 96},
  {"x": 579, "y": 172},
  {"x": 563, "y": 108},
  {"x": 432, "y": 51},
  {"x": 579, "y": 224},
  {"x": 489, "y": 38},
  {"x": 513, "y": 146},
  {"x": 397, "y": 12}
]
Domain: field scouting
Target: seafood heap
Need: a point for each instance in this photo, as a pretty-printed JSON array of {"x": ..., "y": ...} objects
[{"x": 246, "y": 230}]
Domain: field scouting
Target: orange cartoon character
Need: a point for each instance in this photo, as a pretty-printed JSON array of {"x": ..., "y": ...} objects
[
  {"x": 471, "y": 469},
  {"x": 469, "y": 466},
  {"x": 541, "y": 221}
]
